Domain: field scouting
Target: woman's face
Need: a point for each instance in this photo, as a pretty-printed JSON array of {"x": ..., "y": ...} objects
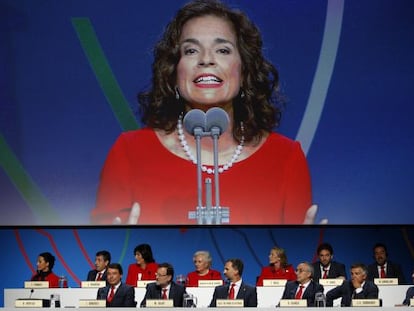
[
  {"x": 274, "y": 258},
  {"x": 42, "y": 265},
  {"x": 209, "y": 70},
  {"x": 139, "y": 259},
  {"x": 201, "y": 264}
]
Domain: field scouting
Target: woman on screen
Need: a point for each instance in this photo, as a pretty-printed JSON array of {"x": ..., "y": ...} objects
[{"x": 209, "y": 56}]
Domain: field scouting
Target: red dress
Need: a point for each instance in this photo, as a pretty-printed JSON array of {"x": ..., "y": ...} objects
[
  {"x": 147, "y": 274},
  {"x": 194, "y": 277},
  {"x": 272, "y": 186},
  {"x": 269, "y": 273},
  {"x": 52, "y": 278}
]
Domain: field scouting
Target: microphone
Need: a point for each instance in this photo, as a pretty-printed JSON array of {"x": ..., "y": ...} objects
[
  {"x": 195, "y": 124},
  {"x": 31, "y": 293},
  {"x": 217, "y": 123}
]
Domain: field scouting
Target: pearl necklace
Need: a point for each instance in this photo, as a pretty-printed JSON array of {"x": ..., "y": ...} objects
[{"x": 186, "y": 148}]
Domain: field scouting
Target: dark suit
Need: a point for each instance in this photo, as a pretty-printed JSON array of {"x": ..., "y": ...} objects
[
  {"x": 92, "y": 275},
  {"x": 336, "y": 269},
  {"x": 346, "y": 291},
  {"x": 124, "y": 296},
  {"x": 309, "y": 294},
  {"x": 408, "y": 296},
  {"x": 246, "y": 292},
  {"x": 176, "y": 293},
  {"x": 393, "y": 271}
]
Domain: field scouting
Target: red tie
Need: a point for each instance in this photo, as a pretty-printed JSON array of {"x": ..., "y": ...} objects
[
  {"x": 99, "y": 276},
  {"x": 299, "y": 293},
  {"x": 111, "y": 294},
  {"x": 164, "y": 293},
  {"x": 325, "y": 273},
  {"x": 383, "y": 272},
  {"x": 231, "y": 292}
]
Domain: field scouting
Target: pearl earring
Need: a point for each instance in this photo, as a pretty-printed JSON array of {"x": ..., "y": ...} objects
[{"x": 177, "y": 95}]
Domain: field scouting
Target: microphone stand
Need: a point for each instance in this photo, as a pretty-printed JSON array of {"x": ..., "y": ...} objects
[
  {"x": 215, "y": 132},
  {"x": 198, "y": 132}
]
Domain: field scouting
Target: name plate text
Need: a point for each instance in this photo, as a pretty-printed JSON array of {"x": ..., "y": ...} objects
[
  {"x": 143, "y": 284},
  {"x": 230, "y": 303},
  {"x": 274, "y": 283},
  {"x": 331, "y": 282},
  {"x": 209, "y": 283},
  {"x": 28, "y": 303},
  {"x": 36, "y": 284},
  {"x": 92, "y": 303},
  {"x": 93, "y": 284},
  {"x": 160, "y": 303},
  {"x": 293, "y": 303},
  {"x": 365, "y": 302},
  {"x": 386, "y": 281}
]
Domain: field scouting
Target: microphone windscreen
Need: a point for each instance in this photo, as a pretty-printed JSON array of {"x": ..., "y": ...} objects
[
  {"x": 193, "y": 119},
  {"x": 217, "y": 117}
]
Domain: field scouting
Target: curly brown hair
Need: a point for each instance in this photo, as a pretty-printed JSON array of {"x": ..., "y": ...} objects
[{"x": 257, "y": 109}]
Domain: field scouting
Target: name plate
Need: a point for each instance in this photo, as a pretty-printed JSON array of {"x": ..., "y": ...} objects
[
  {"x": 28, "y": 303},
  {"x": 93, "y": 284},
  {"x": 36, "y": 284},
  {"x": 293, "y": 303},
  {"x": 143, "y": 284},
  {"x": 386, "y": 281},
  {"x": 331, "y": 282},
  {"x": 92, "y": 303},
  {"x": 412, "y": 302},
  {"x": 209, "y": 283},
  {"x": 274, "y": 283},
  {"x": 365, "y": 302},
  {"x": 230, "y": 303},
  {"x": 160, "y": 303}
]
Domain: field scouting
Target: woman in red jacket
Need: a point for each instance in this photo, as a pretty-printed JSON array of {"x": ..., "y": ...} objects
[
  {"x": 45, "y": 263},
  {"x": 278, "y": 267}
]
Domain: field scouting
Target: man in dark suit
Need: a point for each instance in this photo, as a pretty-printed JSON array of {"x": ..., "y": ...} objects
[
  {"x": 356, "y": 288},
  {"x": 164, "y": 287},
  {"x": 115, "y": 292},
  {"x": 409, "y": 294},
  {"x": 236, "y": 288},
  {"x": 390, "y": 269},
  {"x": 326, "y": 268},
  {"x": 102, "y": 260},
  {"x": 304, "y": 287}
]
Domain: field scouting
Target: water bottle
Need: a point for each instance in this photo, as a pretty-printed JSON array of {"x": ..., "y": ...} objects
[
  {"x": 63, "y": 281},
  {"x": 320, "y": 300},
  {"x": 52, "y": 301}
]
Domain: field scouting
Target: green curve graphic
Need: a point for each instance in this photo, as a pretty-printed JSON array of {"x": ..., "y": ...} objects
[
  {"x": 103, "y": 73},
  {"x": 30, "y": 192},
  {"x": 125, "y": 246}
]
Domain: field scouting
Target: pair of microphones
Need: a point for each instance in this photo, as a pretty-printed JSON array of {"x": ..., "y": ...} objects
[{"x": 211, "y": 124}]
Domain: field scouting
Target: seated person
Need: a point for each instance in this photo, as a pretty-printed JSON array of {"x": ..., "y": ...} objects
[
  {"x": 164, "y": 287},
  {"x": 326, "y": 268},
  {"x": 278, "y": 267},
  {"x": 202, "y": 263},
  {"x": 236, "y": 288},
  {"x": 304, "y": 287},
  {"x": 145, "y": 267},
  {"x": 382, "y": 267},
  {"x": 45, "y": 263},
  {"x": 359, "y": 287},
  {"x": 410, "y": 293},
  {"x": 116, "y": 293},
  {"x": 102, "y": 260}
]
